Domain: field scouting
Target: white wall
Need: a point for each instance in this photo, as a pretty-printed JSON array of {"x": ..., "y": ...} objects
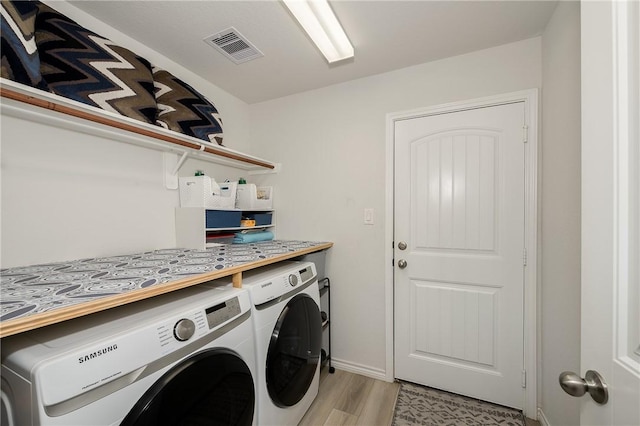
[
  {"x": 560, "y": 213},
  {"x": 331, "y": 142},
  {"x": 67, "y": 195}
]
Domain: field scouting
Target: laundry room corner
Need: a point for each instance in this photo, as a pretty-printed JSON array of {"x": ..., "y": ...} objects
[{"x": 332, "y": 142}]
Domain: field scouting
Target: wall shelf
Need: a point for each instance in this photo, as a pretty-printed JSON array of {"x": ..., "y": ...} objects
[{"x": 36, "y": 105}]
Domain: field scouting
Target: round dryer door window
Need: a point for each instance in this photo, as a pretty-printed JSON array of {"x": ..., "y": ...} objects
[
  {"x": 213, "y": 387},
  {"x": 294, "y": 351}
]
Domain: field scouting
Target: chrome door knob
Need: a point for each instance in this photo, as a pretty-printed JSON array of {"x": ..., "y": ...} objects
[
  {"x": 593, "y": 383},
  {"x": 402, "y": 263},
  {"x": 402, "y": 245}
]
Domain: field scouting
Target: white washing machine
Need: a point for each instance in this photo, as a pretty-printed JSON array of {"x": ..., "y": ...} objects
[
  {"x": 187, "y": 357},
  {"x": 288, "y": 332}
]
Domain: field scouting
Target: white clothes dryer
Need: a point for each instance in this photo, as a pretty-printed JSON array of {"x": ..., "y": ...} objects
[
  {"x": 288, "y": 332},
  {"x": 186, "y": 357}
]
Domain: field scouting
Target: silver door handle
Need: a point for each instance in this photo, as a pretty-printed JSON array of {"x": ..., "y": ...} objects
[
  {"x": 402, "y": 263},
  {"x": 402, "y": 245},
  {"x": 593, "y": 383}
]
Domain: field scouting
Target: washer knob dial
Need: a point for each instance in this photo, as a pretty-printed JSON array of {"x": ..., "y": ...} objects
[
  {"x": 184, "y": 329},
  {"x": 293, "y": 280}
]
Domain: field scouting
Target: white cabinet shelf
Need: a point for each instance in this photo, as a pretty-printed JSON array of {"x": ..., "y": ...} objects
[
  {"x": 239, "y": 228},
  {"x": 191, "y": 225}
]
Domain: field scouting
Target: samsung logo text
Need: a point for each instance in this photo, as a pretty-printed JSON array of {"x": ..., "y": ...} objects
[{"x": 97, "y": 353}]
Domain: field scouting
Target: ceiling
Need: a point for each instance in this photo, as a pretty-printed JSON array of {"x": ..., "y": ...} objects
[{"x": 386, "y": 35}]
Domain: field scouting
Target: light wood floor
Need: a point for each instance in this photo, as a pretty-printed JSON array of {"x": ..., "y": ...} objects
[{"x": 351, "y": 399}]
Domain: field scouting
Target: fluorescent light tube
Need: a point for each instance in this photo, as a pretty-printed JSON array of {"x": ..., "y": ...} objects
[{"x": 320, "y": 23}]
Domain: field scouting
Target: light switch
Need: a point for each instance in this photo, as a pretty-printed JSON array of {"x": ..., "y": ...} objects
[{"x": 368, "y": 216}]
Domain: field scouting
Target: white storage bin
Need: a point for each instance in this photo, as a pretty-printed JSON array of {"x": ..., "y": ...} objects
[
  {"x": 228, "y": 191},
  {"x": 248, "y": 196},
  {"x": 203, "y": 191}
]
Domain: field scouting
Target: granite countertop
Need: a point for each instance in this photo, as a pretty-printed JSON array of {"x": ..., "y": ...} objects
[{"x": 32, "y": 290}]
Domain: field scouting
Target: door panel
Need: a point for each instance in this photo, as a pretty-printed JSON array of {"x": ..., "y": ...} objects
[
  {"x": 459, "y": 322},
  {"x": 455, "y": 192},
  {"x": 459, "y": 189},
  {"x": 610, "y": 337}
]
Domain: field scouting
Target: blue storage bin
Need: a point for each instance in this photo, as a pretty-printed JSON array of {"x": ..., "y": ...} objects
[
  {"x": 222, "y": 218},
  {"x": 261, "y": 218}
]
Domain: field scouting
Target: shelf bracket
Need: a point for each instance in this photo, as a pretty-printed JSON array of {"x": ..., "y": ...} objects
[
  {"x": 180, "y": 162},
  {"x": 171, "y": 165}
]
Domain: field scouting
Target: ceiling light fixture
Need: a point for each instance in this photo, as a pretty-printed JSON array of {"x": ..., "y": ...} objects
[{"x": 321, "y": 24}]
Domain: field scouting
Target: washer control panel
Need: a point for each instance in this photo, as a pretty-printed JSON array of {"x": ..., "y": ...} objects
[
  {"x": 174, "y": 332},
  {"x": 223, "y": 312},
  {"x": 196, "y": 324},
  {"x": 267, "y": 288},
  {"x": 307, "y": 273}
]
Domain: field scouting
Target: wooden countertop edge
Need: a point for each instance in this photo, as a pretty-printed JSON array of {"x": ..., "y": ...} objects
[{"x": 20, "y": 325}]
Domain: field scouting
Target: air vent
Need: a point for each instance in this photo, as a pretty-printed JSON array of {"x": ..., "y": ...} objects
[{"x": 234, "y": 45}]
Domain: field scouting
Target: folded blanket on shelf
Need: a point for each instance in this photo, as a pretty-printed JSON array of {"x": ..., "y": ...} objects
[{"x": 252, "y": 237}]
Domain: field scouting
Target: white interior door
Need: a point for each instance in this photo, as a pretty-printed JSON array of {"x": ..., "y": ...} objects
[
  {"x": 459, "y": 224},
  {"x": 610, "y": 337}
]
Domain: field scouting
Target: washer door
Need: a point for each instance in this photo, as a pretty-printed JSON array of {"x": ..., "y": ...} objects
[
  {"x": 294, "y": 351},
  {"x": 213, "y": 387}
]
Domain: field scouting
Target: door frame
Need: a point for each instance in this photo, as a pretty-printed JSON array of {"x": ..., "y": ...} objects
[{"x": 531, "y": 286}]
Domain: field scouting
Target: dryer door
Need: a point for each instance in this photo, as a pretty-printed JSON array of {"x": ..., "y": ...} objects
[
  {"x": 294, "y": 351},
  {"x": 212, "y": 387}
]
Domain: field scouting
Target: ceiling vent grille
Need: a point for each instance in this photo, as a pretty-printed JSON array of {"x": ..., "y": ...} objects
[{"x": 234, "y": 45}]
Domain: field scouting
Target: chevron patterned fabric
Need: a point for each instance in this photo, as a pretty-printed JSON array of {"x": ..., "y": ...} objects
[
  {"x": 20, "y": 59},
  {"x": 81, "y": 65},
  {"x": 43, "y": 48},
  {"x": 184, "y": 110}
]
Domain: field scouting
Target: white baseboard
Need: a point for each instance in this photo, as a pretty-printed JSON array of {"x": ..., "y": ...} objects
[
  {"x": 363, "y": 370},
  {"x": 542, "y": 418}
]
